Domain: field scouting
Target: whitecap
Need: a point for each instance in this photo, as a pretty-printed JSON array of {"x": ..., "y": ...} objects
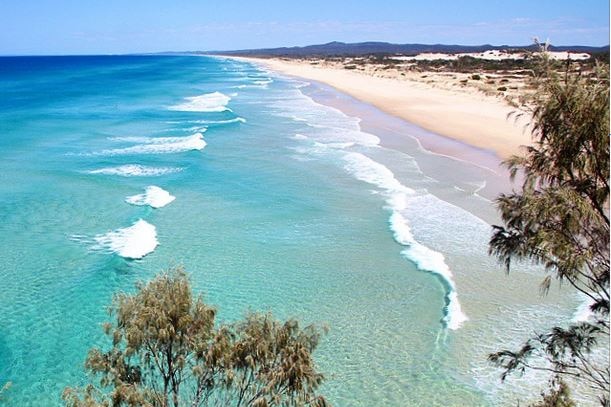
[
  {"x": 135, "y": 170},
  {"x": 265, "y": 81},
  {"x": 147, "y": 139},
  {"x": 228, "y": 121},
  {"x": 328, "y": 125},
  {"x": 153, "y": 196},
  {"x": 208, "y": 102},
  {"x": 584, "y": 310},
  {"x": 133, "y": 242},
  {"x": 397, "y": 199},
  {"x": 159, "y": 145},
  {"x": 372, "y": 172}
]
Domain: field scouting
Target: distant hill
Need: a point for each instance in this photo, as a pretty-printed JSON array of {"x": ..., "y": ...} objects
[{"x": 366, "y": 48}]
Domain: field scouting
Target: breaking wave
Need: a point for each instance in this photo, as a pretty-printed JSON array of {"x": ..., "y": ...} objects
[
  {"x": 397, "y": 199},
  {"x": 135, "y": 170},
  {"x": 153, "y": 196},
  {"x": 133, "y": 242},
  {"x": 158, "y": 145},
  {"x": 208, "y": 102}
]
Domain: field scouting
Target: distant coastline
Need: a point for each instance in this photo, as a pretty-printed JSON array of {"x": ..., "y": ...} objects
[{"x": 336, "y": 48}]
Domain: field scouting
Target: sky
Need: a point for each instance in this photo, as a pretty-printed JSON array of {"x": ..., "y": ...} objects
[{"x": 125, "y": 26}]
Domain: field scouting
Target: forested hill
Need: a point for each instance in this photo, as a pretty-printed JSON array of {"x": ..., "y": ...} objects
[{"x": 367, "y": 48}]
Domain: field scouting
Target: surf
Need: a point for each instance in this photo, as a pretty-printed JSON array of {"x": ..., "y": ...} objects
[
  {"x": 398, "y": 196},
  {"x": 208, "y": 102},
  {"x": 135, "y": 170},
  {"x": 133, "y": 242},
  {"x": 153, "y": 196},
  {"x": 158, "y": 145}
]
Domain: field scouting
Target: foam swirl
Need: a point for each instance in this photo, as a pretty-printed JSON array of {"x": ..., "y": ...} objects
[
  {"x": 135, "y": 170},
  {"x": 133, "y": 242},
  {"x": 208, "y": 102},
  {"x": 158, "y": 145},
  {"x": 153, "y": 196}
]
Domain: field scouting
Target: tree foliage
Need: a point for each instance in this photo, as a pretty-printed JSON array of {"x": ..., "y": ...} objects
[
  {"x": 167, "y": 351},
  {"x": 560, "y": 219},
  {"x": 559, "y": 396}
]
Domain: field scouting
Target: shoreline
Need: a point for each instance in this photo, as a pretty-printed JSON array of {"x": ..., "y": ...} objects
[
  {"x": 444, "y": 158},
  {"x": 449, "y": 161},
  {"x": 470, "y": 121}
]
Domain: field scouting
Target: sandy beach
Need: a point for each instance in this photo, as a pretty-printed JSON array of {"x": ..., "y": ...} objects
[{"x": 462, "y": 114}]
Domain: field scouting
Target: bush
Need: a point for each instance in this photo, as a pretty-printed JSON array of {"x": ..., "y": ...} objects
[{"x": 167, "y": 350}]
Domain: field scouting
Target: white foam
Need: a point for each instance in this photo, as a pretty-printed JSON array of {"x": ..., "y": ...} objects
[
  {"x": 260, "y": 82},
  {"x": 328, "y": 124},
  {"x": 397, "y": 199},
  {"x": 234, "y": 120},
  {"x": 208, "y": 102},
  {"x": 266, "y": 81},
  {"x": 583, "y": 311},
  {"x": 228, "y": 121},
  {"x": 153, "y": 196},
  {"x": 133, "y": 242},
  {"x": 372, "y": 172},
  {"x": 332, "y": 132},
  {"x": 159, "y": 145},
  {"x": 153, "y": 140},
  {"x": 135, "y": 170},
  {"x": 339, "y": 146}
]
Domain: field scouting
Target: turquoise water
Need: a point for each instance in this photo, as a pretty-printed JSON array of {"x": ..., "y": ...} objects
[{"x": 281, "y": 203}]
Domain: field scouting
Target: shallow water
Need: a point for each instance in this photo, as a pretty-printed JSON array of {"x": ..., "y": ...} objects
[{"x": 281, "y": 203}]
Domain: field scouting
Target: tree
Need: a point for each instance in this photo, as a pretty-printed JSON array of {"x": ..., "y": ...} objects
[
  {"x": 560, "y": 219},
  {"x": 558, "y": 397},
  {"x": 167, "y": 351}
]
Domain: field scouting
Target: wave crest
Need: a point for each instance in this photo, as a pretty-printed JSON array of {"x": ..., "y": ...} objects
[
  {"x": 397, "y": 199},
  {"x": 208, "y": 102},
  {"x": 153, "y": 196},
  {"x": 158, "y": 145},
  {"x": 135, "y": 170},
  {"x": 133, "y": 242}
]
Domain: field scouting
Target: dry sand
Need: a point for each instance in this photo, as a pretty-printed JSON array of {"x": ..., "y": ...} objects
[{"x": 462, "y": 114}]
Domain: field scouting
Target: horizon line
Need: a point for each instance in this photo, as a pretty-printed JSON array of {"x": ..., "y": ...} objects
[{"x": 279, "y": 47}]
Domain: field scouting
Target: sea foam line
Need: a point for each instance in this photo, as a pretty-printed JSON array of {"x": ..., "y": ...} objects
[
  {"x": 133, "y": 242},
  {"x": 135, "y": 170},
  {"x": 158, "y": 145},
  {"x": 208, "y": 102},
  {"x": 237, "y": 119},
  {"x": 153, "y": 196},
  {"x": 397, "y": 199},
  {"x": 337, "y": 139}
]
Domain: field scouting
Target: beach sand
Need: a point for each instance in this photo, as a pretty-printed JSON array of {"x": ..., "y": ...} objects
[{"x": 471, "y": 117}]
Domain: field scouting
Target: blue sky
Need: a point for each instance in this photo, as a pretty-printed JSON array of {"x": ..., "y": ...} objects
[{"x": 122, "y": 26}]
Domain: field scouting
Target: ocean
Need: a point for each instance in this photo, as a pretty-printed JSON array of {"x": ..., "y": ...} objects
[{"x": 275, "y": 194}]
